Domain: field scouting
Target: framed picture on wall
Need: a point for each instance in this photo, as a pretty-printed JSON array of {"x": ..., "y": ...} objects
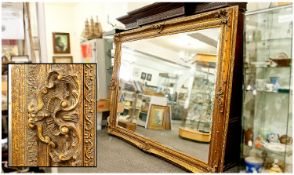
[
  {"x": 20, "y": 59},
  {"x": 62, "y": 59},
  {"x": 61, "y": 43},
  {"x": 149, "y": 77},
  {"x": 143, "y": 75}
]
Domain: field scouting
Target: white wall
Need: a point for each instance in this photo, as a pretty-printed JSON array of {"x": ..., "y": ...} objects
[
  {"x": 70, "y": 18},
  {"x": 59, "y": 18}
]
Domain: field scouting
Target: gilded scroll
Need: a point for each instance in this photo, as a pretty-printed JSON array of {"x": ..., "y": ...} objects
[{"x": 53, "y": 98}]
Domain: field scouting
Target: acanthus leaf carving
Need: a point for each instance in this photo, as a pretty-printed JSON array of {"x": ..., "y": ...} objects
[
  {"x": 220, "y": 100},
  {"x": 52, "y": 117}
]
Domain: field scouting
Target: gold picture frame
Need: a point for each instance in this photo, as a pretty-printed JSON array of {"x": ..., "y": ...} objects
[
  {"x": 61, "y": 43},
  {"x": 228, "y": 19},
  {"x": 62, "y": 59},
  {"x": 158, "y": 117}
]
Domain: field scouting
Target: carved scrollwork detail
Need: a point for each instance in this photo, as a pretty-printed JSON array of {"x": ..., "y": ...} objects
[
  {"x": 223, "y": 15},
  {"x": 158, "y": 27},
  {"x": 145, "y": 146},
  {"x": 224, "y": 21},
  {"x": 113, "y": 84},
  {"x": 220, "y": 100},
  {"x": 109, "y": 128},
  {"x": 117, "y": 37},
  {"x": 52, "y": 115}
]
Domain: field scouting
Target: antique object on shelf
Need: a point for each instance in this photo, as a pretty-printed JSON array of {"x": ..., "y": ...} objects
[
  {"x": 267, "y": 112},
  {"x": 92, "y": 29},
  {"x": 53, "y": 115},
  {"x": 284, "y": 139},
  {"x": 253, "y": 164},
  {"x": 249, "y": 136},
  {"x": 167, "y": 50},
  {"x": 275, "y": 167}
]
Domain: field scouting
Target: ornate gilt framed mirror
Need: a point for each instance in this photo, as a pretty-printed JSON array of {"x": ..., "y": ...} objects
[{"x": 176, "y": 89}]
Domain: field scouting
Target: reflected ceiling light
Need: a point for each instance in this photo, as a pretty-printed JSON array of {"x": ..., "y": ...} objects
[{"x": 184, "y": 41}]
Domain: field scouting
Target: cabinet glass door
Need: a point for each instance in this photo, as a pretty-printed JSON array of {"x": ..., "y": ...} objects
[{"x": 267, "y": 120}]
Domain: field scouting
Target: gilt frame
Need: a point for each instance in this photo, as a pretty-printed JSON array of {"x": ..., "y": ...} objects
[{"x": 226, "y": 19}]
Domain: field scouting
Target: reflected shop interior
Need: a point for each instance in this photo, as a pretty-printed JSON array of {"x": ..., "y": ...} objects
[{"x": 167, "y": 87}]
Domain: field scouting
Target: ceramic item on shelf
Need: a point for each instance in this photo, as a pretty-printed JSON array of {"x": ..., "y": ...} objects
[
  {"x": 258, "y": 142},
  {"x": 249, "y": 88},
  {"x": 282, "y": 55},
  {"x": 275, "y": 82},
  {"x": 284, "y": 139},
  {"x": 275, "y": 167},
  {"x": 248, "y": 136},
  {"x": 253, "y": 164},
  {"x": 272, "y": 138}
]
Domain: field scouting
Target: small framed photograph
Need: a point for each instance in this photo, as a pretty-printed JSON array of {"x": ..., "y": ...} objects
[
  {"x": 61, "y": 43},
  {"x": 20, "y": 59},
  {"x": 62, "y": 59},
  {"x": 149, "y": 77},
  {"x": 158, "y": 117},
  {"x": 143, "y": 75}
]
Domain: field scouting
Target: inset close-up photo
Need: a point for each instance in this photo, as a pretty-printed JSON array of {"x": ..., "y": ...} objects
[{"x": 52, "y": 113}]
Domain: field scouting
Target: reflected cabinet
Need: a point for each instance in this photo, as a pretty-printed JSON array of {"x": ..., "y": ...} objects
[
  {"x": 176, "y": 88},
  {"x": 267, "y": 118}
]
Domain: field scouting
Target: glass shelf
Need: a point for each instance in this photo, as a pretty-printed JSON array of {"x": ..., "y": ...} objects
[
  {"x": 270, "y": 92},
  {"x": 268, "y": 67},
  {"x": 289, "y": 39}
]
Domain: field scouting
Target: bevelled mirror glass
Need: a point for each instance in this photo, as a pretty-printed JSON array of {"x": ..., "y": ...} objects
[
  {"x": 176, "y": 92},
  {"x": 167, "y": 87}
]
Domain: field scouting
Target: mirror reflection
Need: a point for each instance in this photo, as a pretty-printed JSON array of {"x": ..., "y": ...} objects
[{"x": 167, "y": 87}]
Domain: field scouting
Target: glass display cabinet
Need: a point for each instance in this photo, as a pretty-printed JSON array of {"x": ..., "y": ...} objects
[
  {"x": 197, "y": 123},
  {"x": 267, "y": 115}
]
